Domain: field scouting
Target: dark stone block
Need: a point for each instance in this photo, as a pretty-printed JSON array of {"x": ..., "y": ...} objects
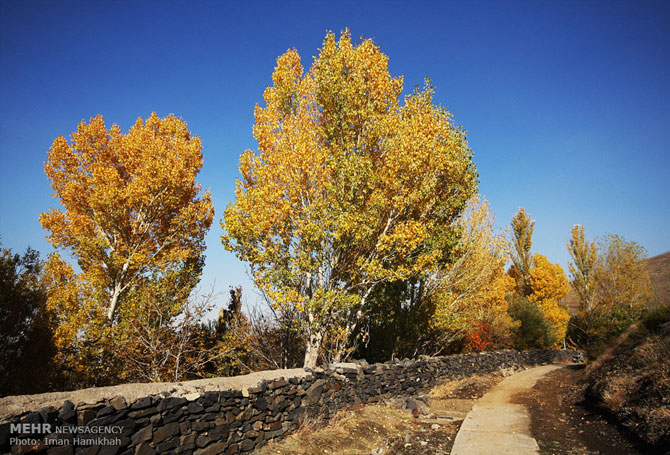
[
  {"x": 85, "y": 416},
  {"x": 246, "y": 445},
  {"x": 261, "y": 404},
  {"x": 277, "y": 383},
  {"x": 214, "y": 449},
  {"x": 142, "y": 413},
  {"x": 144, "y": 434},
  {"x": 188, "y": 439},
  {"x": 165, "y": 446},
  {"x": 173, "y": 416},
  {"x": 202, "y": 440},
  {"x": 195, "y": 407},
  {"x": 218, "y": 433},
  {"x": 144, "y": 449},
  {"x": 170, "y": 403},
  {"x": 107, "y": 410},
  {"x": 108, "y": 450},
  {"x": 141, "y": 403},
  {"x": 165, "y": 432},
  {"x": 101, "y": 422},
  {"x": 66, "y": 411},
  {"x": 200, "y": 426},
  {"x": 209, "y": 398},
  {"x": 93, "y": 450}
]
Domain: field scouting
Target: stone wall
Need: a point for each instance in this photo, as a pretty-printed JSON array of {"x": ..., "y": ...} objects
[{"x": 226, "y": 415}]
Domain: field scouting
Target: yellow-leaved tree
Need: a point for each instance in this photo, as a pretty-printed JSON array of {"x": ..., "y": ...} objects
[
  {"x": 521, "y": 239},
  {"x": 549, "y": 285},
  {"x": 470, "y": 292},
  {"x": 583, "y": 268},
  {"x": 134, "y": 218},
  {"x": 130, "y": 203},
  {"x": 350, "y": 188}
]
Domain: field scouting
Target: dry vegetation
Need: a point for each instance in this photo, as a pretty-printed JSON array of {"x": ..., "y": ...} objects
[
  {"x": 385, "y": 429},
  {"x": 631, "y": 381},
  {"x": 472, "y": 387},
  {"x": 351, "y": 431}
]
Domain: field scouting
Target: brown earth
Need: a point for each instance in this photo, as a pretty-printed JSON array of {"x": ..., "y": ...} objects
[
  {"x": 631, "y": 381},
  {"x": 562, "y": 424}
]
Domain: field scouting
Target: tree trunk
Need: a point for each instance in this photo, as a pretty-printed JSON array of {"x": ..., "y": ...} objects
[
  {"x": 114, "y": 300},
  {"x": 116, "y": 292},
  {"x": 313, "y": 347}
]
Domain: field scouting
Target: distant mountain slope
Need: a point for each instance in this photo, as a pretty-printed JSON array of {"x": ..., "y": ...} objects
[{"x": 659, "y": 273}]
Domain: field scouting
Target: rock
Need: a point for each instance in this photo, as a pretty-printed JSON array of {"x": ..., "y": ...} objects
[
  {"x": 107, "y": 410},
  {"x": 85, "y": 416},
  {"x": 145, "y": 434},
  {"x": 144, "y": 449},
  {"x": 192, "y": 396},
  {"x": 118, "y": 403},
  {"x": 246, "y": 445},
  {"x": 165, "y": 432},
  {"x": 66, "y": 411},
  {"x": 214, "y": 449},
  {"x": 141, "y": 403},
  {"x": 314, "y": 392}
]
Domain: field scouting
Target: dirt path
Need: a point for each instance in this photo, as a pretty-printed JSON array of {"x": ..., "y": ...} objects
[
  {"x": 496, "y": 424},
  {"x": 562, "y": 423}
]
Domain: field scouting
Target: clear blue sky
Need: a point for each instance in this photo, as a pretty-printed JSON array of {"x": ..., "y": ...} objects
[{"x": 566, "y": 104}]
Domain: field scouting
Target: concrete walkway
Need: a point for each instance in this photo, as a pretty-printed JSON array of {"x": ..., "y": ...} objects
[{"x": 497, "y": 426}]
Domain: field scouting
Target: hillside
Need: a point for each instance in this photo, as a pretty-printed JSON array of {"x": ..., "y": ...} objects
[
  {"x": 659, "y": 273},
  {"x": 631, "y": 380}
]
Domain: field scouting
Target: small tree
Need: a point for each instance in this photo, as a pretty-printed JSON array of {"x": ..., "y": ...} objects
[
  {"x": 583, "y": 268},
  {"x": 522, "y": 232},
  {"x": 622, "y": 276},
  {"x": 549, "y": 285}
]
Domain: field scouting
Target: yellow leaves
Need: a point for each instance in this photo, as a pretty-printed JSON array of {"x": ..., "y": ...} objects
[
  {"x": 472, "y": 289},
  {"x": 557, "y": 315},
  {"x": 547, "y": 280},
  {"x": 348, "y": 188},
  {"x": 131, "y": 204},
  {"x": 549, "y": 284}
]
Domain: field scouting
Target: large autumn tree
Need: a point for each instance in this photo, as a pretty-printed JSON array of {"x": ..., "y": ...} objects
[
  {"x": 350, "y": 187},
  {"x": 130, "y": 205}
]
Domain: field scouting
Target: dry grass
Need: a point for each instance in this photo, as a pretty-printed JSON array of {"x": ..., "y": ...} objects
[
  {"x": 471, "y": 387},
  {"x": 354, "y": 431},
  {"x": 632, "y": 381}
]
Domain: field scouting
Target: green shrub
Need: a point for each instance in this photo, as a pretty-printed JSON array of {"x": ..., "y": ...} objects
[{"x": 534, "y": 332}]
